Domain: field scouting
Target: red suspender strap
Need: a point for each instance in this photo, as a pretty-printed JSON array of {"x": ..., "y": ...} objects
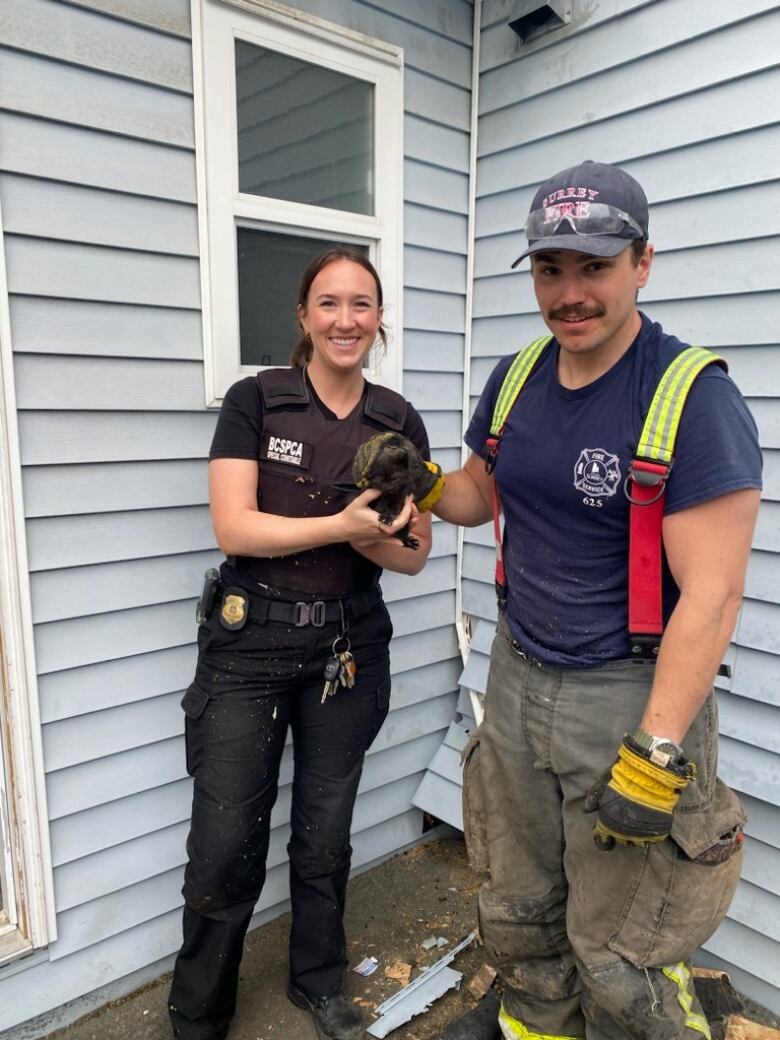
[
  {"x": 492, "y": 445},
  {"x": 646, "y": 491},
  {"x": 500, "y": 574}
]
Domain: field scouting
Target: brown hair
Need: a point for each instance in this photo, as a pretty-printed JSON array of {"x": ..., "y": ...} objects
[
  {"x": 638, "y": 246},
  {"x": 302, "y": 351}
]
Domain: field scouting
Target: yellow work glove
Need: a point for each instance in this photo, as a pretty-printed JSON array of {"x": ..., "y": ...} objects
[
  {"x": 636, "y": 797},
  {"x": 430, "y": 498},
  {"x": 393, "y": 465}
]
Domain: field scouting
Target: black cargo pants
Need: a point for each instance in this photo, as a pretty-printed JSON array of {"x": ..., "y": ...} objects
[{"x": 250, "y": 686}]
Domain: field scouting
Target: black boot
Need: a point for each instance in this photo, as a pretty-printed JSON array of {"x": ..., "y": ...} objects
[
  {"x": 479, "y": 1024},
  {"x": 334, "y": 1017}
]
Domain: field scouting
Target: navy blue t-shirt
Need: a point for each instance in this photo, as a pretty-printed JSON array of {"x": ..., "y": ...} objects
[{"x": 563, "y": 460}]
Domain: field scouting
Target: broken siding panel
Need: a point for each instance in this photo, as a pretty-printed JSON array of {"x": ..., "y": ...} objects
[{"x": 704, "y": 122}]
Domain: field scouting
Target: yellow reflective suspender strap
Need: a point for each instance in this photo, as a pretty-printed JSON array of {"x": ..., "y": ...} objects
[
  {"x": 514, "y": 380},
  {"x": 645, "y": 488},
  {"x": 513, "y": 1029},
  {"x": 681, "y": 977},
  {"x": 663, "y": 419}
]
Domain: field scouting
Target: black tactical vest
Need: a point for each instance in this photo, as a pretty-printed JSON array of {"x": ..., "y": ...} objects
[{"x": 306, "y": 470}]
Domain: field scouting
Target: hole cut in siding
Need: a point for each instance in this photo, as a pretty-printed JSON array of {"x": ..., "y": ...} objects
[{"x": 531, "y": 18}]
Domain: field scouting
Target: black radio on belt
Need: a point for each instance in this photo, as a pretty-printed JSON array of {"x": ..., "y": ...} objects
[{"x": 208, "y": 596}]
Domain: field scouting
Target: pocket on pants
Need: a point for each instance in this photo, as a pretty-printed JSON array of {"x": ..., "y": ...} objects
[
  {"x": 194, "y": 703},
  {"x": 683, "y": 886},
  {"x": 474, "y": 829}
]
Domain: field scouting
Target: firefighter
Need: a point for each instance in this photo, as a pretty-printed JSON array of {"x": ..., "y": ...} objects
[
  {"x": 297, "y": 638},
  {"x": 590, "y": 790}
]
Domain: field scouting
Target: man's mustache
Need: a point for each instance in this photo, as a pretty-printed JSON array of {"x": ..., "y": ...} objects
[{"x": 561, "y": 313}]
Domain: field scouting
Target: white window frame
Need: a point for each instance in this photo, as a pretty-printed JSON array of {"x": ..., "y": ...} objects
[
  {"x": 222, "y": 207},
  {"x": 28, "y": 920}
]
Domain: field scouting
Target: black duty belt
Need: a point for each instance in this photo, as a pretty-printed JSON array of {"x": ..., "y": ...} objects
[{"x": 306, "y": 612}]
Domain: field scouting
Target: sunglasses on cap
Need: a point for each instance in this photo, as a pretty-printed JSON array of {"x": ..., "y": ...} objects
[{"x": 584, "y": 218}]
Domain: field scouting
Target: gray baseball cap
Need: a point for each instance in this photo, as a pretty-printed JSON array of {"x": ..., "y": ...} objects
[{"x": 593, "y": 208}]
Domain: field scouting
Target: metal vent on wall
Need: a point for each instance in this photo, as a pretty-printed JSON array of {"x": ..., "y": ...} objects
[{"x": 531, "y": 19}]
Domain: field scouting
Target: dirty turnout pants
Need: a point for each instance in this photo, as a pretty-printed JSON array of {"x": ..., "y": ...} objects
[
  {"x": 589, "y": 943},
  {"x": 250, "y": 685}
]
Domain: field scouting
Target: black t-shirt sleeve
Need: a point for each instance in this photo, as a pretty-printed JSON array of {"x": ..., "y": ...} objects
[
  {"x": 240, "y": 423},
  {"x": 414, "y": 429}
]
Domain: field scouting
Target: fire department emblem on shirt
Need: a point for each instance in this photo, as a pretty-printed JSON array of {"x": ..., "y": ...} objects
[{"x": 597, "y": 472}]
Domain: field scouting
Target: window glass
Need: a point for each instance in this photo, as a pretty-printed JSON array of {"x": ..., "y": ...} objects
[
  {"x": 269, "y": 273},
  {"x": 305, "y": 132}
]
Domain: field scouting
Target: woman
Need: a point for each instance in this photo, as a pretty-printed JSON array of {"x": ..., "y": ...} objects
[{"x": 298, "y": 636}]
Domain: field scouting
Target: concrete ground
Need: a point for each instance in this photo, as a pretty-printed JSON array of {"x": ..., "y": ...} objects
[{"x": 426, "y": 892}]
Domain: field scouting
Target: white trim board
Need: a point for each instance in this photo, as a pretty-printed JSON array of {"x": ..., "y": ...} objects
[{"x": 30, "y": 827}]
